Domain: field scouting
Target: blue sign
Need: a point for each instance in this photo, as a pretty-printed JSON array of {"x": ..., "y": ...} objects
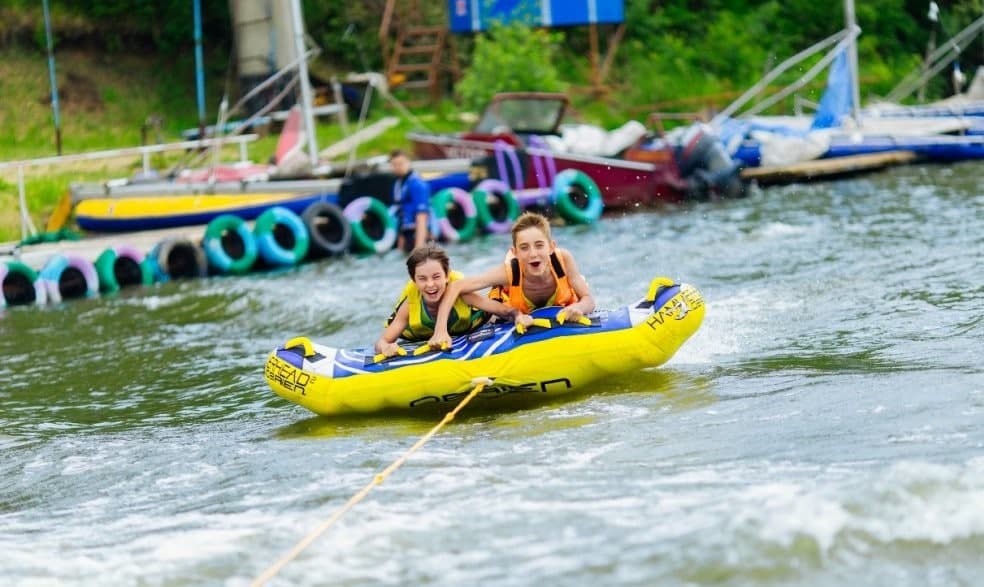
[{"x": 472, "y": 16}]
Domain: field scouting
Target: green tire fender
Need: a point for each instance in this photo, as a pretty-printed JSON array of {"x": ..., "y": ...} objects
[
  {"x": 281, "y": 237},
  {"x": 496, "y": 205},
  {"x": 577, "y": 197},
  {"x": 21, "y": 285},
  {"x": 229, "y": 245},
  {"x": 374, "y": 229},
  {"x": 456, "y": 214},
  {"x": 122, "y": 266}
]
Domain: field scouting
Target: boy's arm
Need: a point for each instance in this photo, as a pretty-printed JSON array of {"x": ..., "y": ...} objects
[
  {"x": 585, "y": 303},
  {"x": 387, "y": 341},
  {"x": 420, "y": 194},
  {"x": 498, "y": 308},
  {"x": 492, "y": 277},
  {"x": 488, "y": 305},
  {"x": 420, "y": 232}
]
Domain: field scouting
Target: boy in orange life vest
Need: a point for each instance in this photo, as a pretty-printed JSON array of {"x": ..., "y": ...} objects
[
  {"x": 412, "y": 319},
  {"x": 536, "y": 274}
]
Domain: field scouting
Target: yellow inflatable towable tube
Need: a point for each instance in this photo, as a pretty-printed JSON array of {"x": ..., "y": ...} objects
[{"x": 550, "y": 358}]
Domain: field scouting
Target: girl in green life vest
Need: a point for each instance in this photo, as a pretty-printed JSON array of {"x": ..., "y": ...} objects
[{"x": 413, "y": 317}]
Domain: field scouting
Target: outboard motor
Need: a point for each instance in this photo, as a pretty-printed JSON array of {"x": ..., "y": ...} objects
[{"x": 705, "y": 165}]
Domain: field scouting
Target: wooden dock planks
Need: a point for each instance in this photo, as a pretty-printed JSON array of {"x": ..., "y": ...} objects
[{"x": 826, "y": 168}]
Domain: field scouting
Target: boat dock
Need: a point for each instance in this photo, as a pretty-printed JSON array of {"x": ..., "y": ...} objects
[
  {"x": 826, "y": 168},
  {"x": 92, "y": 245}
]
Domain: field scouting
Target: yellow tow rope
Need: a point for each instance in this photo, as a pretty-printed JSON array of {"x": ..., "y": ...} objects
[{"x": 377, "y": 480}]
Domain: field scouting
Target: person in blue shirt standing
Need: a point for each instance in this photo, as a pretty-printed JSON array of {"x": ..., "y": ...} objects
[{"x": 412, "y": 195}]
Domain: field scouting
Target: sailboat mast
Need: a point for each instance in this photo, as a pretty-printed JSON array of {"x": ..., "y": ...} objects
[
  {"x": 853, "y": 63},
  {"x": 53, "y": 79},
  {"x": 302, "y": 72},
  {"x": 199, "y": 68}
]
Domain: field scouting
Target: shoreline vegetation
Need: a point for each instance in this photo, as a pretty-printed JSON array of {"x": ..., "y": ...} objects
[{"x": 117, "y": 70}]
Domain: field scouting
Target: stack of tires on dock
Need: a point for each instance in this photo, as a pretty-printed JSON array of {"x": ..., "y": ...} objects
[{"x": 280, "y": 237}]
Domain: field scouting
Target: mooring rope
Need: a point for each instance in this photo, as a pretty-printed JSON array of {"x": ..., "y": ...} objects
[{"x": 377, "y": 480}]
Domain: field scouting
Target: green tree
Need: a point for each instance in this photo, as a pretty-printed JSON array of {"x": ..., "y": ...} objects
[{"x": 513, "y": 57}]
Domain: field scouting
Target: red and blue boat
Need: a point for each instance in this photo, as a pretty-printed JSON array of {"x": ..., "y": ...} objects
[{"x": 526, "y": 138}]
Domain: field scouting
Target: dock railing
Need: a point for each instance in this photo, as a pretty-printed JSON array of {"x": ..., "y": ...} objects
[
  {"x": 839, "y": 40},
  {"x": 145, "y": 152},
  {"x": 935, "y": 62}
]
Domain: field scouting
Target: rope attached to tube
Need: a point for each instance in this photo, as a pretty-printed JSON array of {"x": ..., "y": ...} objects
[{"x": 376, "y": 480}]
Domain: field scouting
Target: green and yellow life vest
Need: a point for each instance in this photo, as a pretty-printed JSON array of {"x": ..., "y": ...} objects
[{"x": 462, "y": 320}]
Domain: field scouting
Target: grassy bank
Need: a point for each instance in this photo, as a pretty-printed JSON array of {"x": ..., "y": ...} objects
[{"x": 104, "y": 103}]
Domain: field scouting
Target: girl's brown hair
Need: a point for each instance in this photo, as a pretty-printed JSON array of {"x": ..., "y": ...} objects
[{"x": 426, "y": 253}]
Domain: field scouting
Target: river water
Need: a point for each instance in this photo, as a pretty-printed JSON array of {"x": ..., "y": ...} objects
[{"x": 823, "y": 428}]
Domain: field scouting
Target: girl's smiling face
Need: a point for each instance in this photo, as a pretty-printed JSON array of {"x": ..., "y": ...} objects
[
  {"x": 431, "y": 279},
  {"x": 532, "y": 249}
]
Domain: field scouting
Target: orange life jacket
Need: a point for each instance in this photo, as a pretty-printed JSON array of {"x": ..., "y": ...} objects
[{"x": 512, "y": 294}]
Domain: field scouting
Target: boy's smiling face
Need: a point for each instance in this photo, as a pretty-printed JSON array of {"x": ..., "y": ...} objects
[{"x": 532, "y": 249}]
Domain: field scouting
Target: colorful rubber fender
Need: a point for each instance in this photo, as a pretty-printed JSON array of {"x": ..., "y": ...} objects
[
  {"x": 68, "y": 277},
  {"x": 373, "y": 227},
  {"x": 177, "y": 258},
  {"x": 122, "y": 266},
  {"x": 229, "y": 245},
  {"x": 281, "y": 237},
  {"x": 328, "y": 229},
  {"x": 496, "y": 205},
  {"x": 456, "y": 214},
  {"x": 21, "y": 285},
  {"x": 577, "y": 197}
]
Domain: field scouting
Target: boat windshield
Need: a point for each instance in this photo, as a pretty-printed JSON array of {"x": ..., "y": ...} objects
[{"x": 522, "y": 115}]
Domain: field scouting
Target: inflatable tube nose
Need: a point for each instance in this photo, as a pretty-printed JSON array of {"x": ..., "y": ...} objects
[
  {"x": 301, "y": 343},
  {"x": 656, "y": 285}
]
